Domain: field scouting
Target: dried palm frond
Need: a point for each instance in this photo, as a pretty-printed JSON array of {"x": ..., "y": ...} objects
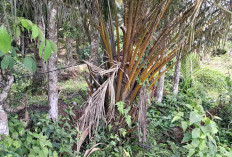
[
  {"x": 88, "y": 152},
  {"x": 95, "y": 106}
]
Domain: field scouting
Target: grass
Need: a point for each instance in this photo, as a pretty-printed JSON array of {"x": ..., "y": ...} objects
[
  {"x": 69, "y": 88},
  {"x": 222, "y": 64},
  {"x": 73, "y": 85}
]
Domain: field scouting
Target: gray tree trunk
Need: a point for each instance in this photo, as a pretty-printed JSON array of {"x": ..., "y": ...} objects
[
  {"x": 94, "y": 57},
  {"x": 160, "y": 86},
  {"x": 52, "y": 62},
  {"x": 230, "y": 53},
  {"x": 177, "y": 74},
  {"x": 70, "y": 50},
  {"x": 38, "y": 78},
  {"x": 4, "y": 129}
]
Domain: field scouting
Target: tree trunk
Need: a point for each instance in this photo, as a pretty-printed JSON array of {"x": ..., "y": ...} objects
[
  {"x": 230, "y": 53},
  {"x": 4, "y": 129},
  {"x": 94, "y": 57},
  {"x": 52, "y": 62},
  {"x": 38, "y": 78},
  {"x": 70, "y": 50},
  {"x": 177, "y": 74},
  {"x": 160, "y": 86}
]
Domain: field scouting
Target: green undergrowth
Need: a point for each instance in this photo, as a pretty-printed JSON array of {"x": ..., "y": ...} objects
[
  {"x": 182, "y": 125},
  {"x": 212, "y": 80},
  {"x": 222, "y": 64}
]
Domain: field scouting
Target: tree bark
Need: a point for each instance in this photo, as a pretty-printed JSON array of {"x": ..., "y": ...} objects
[
  {"x": 177, "y": 74},
  {"x": 160, "y": 86},
  {"x": 52, "y": 62},
  {"x": 38, "y": 78},
  {"x": 4, "y": 129},
  {"x": 70, "y": 50},
  {"x": 94, "y": 57}
]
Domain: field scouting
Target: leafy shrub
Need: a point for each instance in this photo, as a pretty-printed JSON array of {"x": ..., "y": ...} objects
[
  {"x": 61, "y": 134},
  {"x": 23, "y": 142},
  {"x": 211, "y": 80}
]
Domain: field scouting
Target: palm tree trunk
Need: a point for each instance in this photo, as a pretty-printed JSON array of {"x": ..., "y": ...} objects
[
  {"x": 177, "y": 74},
  {"x": 52, "y": 63}
]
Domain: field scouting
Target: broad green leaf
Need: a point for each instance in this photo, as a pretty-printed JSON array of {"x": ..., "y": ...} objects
[
  {"x": 201, "y": 154},
  {"x": 191, "y": 152},
  {"x": 5, "y": 62},
  {"x": 33, "y": 66},
  {"x": 35, "y": 31},
  {"x": 194, "y": 117},
  {"x": 212, "y": 147},
  {"x": 13, "y": 52},
  {"x": 5, "y": 40},
  {"x": 212, "y": 139},
  {"x": 54, "y": 47},
  {"x": 24, "y": 23},
  {"x": 189, "y": 106},
  {"x": 204, "y": 129},
  {"x": 55, "y": 154},
  {"x": 184, "y": 125},
  {"x": 30, "y": 64},
  {"x": 41, "y": 48},
  {"x": 187, "y": 137},
  {"x": 45, "y": 151},
  {"x": 47, "y": 50},
  {"x": 11, "y": 62},
  {"x": 195, "y": 143},
  {"x": 16, "y": 144},
  {"x": 173, "y": 146},
  {"x": 1, "y": 54},
  {"x": 196, "y": 133},
  {"x": 202, "y": 145},
  {"x": 29, "y": 139},
  {"x": 177, "y": 117},
  {"x": 213, "y": 127}
]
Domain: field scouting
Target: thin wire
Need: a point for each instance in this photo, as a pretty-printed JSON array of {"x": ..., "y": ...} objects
[{"x": 26, "y": 76}]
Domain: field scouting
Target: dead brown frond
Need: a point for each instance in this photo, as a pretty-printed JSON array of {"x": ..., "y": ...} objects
[
  {"x": 88, "y": 152},
  {"x": 95, "y": 106}
]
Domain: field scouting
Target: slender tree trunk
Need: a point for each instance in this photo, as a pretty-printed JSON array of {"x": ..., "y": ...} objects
[
  {"x": 4, "y": 129},
  {"x": 52, "y": 62},
  {"x": 160, "y": 86},
  {"x": 22, "y": 44},
  {"x": 94, "y": 57},
  {"x": 230, "y": 53},
  {"x": 177, "y": 74},
  {"x": 38, "y": 78},
  {"x": 70, "y": 50}
]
